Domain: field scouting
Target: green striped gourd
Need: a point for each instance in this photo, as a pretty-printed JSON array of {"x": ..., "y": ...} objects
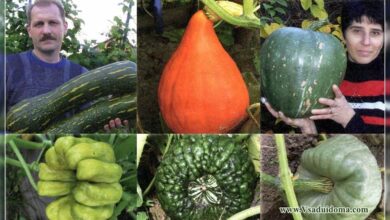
[
  {"x": 95, "y": 117},
  {"x": 36, "y": 113}
]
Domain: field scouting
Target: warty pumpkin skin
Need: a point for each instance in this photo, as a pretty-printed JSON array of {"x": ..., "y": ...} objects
[{"x": 201, "y": 89}]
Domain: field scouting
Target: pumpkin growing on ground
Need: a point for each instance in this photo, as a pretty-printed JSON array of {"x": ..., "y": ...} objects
[
  {"x": 297, "y": 67},
  {"x": 201, "y": 89},
  {"x": 355, "y": 175}
]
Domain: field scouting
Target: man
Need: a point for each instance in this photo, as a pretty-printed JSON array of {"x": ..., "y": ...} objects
[
  {"x": 39, "y": 71},
  {"x": 43, "y": 69}
]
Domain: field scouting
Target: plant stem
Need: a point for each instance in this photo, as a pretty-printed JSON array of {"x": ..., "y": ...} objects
[
  {"x": 252, "y": 211},
  {"x": 248, "y": 8},
  {"x": 243, "y": 21},
  {"x": 285, "y": 176},
  {"x": 170, "y": 136},
  {"x": 149, "y": 187},
  {"x": 111, "y": 140},
  {"x": 23, "y": 163},
  {"x": 28, "y": 144},
  {"x": 323, "y": 185},
  {"x": 17, "y": 163},
  {"x": 316, "y": 25}
]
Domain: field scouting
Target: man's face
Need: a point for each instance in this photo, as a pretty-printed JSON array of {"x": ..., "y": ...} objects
[
  {"x": 364, "y": 41},
  {"x": 47, "y": 29}
]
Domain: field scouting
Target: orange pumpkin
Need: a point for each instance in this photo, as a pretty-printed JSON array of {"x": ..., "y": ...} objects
[{"x": 201, "y": 89}]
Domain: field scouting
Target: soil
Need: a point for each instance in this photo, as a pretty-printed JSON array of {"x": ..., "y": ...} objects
[{"x": 271, "y": 198}]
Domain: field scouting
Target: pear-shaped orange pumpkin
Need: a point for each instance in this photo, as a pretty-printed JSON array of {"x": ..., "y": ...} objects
[{"x": 201, "y": 89}]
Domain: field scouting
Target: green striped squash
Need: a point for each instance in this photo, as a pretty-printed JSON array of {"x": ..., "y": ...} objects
[
  {"x": 36, "y": 113},
  {"x": 95, "y": 117}
]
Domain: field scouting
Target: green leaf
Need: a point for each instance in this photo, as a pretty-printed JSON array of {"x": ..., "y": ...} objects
[
  {"x": 254, "y": 151},
  {"x": 278, "y": 20},
  {"x": 320, "y": 3},
  {"x": 318, "y": 12},
  {"x": 306, "y": 4},
  {"x": 142, "y": 216},
  {"x": 280, "y": 10},
  {"x": 272, "y": 12},
  {"x": 282, "y": 2},
  {"x": 267, "y": 6}
]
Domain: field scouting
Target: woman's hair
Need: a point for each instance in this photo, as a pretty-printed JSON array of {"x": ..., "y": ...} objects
[{"x": 354, "y": 10}]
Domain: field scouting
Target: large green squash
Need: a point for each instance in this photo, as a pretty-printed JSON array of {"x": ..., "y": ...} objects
[
  {"x": 36, "y": 113},
  {"x": 93, "y": 119},
  {"x": 352, "y": 168},
  {"x": 299, "y": 66},
  {"x": 205, "y": 177}
]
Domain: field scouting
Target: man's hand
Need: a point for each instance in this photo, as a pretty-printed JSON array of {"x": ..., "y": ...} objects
[
  {"x": 117, "y": 124},
  {"x": 338, "y": 109},
  {"x": 306, "y": 125}
]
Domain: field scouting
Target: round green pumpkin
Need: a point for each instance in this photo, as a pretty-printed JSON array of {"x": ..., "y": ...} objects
[
  {"x": 352, "y": 168},
  {"x": 205, "y": 177},
  {"x": 299, "y": 66}
]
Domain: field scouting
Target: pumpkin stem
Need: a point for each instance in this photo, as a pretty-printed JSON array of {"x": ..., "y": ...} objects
[
  {"x": 318, "y": 24},
  {"x": 248, "y": 21},
  {"x": 323, "y": 185}
]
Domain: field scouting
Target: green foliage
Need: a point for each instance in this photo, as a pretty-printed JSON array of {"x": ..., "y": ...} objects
[
  {"x": 90, "y": 53},
  {"x": 117, "y": 46},
  {"x": 273, "y": 10}
]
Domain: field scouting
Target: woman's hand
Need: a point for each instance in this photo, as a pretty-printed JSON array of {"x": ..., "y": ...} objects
[
  {"x": 306, "y": 125},
  {"x": 338, "y": 109}
]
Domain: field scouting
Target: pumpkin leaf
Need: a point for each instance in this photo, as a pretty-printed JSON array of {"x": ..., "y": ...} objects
[
  {"x": 318, "y": 12},
  {"x": 282, "y": 2},
  {"x": 306, "y": 4},
  {"x": 326, "y": 29},
  {"x": 338, "y": 34},
  {"x": 320, "y": 3},
  {"x": 306, "y": 24},
  {"x": 268, "y": 29},
  {"x": 254, "y": 151},
  {"x": 280, "y": 10},
  {"x": 278, "y": 20},
  {"x": 267, "y": 6},
  {"x": 272, "y": 12}
]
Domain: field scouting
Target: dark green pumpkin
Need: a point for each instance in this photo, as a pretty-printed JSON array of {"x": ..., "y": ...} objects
[
  {"x": 299, "y": 66},
  {"x": 354, "y": 172},
  {"x": 205, "y": 177}
]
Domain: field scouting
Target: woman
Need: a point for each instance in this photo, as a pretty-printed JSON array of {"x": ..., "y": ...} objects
[{"x": 358, "y": 106}]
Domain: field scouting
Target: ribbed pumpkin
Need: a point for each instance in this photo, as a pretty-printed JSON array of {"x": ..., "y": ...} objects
[
  {"x": 298, "y": 67},
  {"x": 201, "y": 89}
]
